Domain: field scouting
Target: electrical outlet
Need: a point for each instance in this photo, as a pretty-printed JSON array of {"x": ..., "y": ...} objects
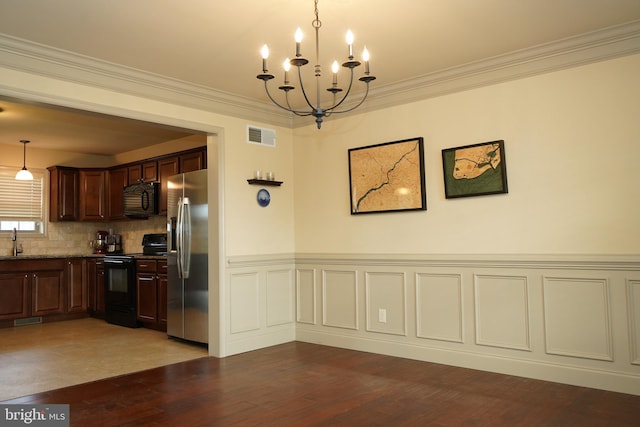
[{"x": 382, "y": 315}]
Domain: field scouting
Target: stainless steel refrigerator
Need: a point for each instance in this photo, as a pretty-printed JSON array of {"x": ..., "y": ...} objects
[{"x": 187, "y": 257}]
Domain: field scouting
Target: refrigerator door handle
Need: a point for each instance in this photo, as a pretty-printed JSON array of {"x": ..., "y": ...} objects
[
  {"x": 186, "y": 237},
  {"x": 179, "y": 238}
]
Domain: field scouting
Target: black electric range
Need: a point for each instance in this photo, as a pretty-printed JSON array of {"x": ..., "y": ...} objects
[{"x": 120, "y": 280}]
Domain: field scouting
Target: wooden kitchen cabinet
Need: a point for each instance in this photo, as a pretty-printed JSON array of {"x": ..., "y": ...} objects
[
  {"x": 95, "y": 284},
  {"x": 134, "y": 174},
  {"x": 147, "y": 290},
  {"x": 49, "y": 288},
  {"x": 117, "y": 179},
  {"x": 64, "y": 187},
  {"x": 162, "y": 292},
  {"x": 96, "y": 194},
  {"x": 92, "y": 195},
  {"x": 14, "y": 295},
  {"x": 193, "y": 161},
  {"x": 77, "y": 285},
  {"x": 47, "y": 292},
  {"x": 143, "y": 172},
  {"x": 166, "y": 168},
  {"x": 150, "y": 171},
  {"x": 151, "y": 286}
]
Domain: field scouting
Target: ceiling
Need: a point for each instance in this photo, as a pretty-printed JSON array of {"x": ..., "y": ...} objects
[
  {"x": 217, "y": 45},
  {"x": 57, "y": 128}
]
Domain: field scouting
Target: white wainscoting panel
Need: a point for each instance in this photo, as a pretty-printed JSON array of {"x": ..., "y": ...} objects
[
  {"x": 439, "y": 313},
  {"x": 340, "y": 299},
  {"x": 633, "y": 292},
  {"x": 306, "y": 296},
  {"x": 279, "y": 289},
  {"x": 260, "y": 295},
  {"x": 386, "y": 291},
  {"x": 502, "y": 311},
  {"x": 577, "y": 317},
  {"x": 573, "y": 319},
  {"x": 244, "y": 307}
]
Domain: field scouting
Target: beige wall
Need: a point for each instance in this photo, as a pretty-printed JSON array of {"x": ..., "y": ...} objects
[{"x": 571, "y": 143}]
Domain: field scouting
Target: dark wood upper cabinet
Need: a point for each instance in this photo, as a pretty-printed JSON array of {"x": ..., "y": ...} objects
[
  {"x": 92, "y": 195},
  {"x": 117, "y": 180},
  {"x": 96, "y": 194},
  {"x": 150, "y": 171},
  {"x": 192, "y": 161},
  {"x": 166, "y": 168},
  {"x": 63, "y": 192},
  {"x": 143, "y": 172},
  {"x": 134, "y": 174}
]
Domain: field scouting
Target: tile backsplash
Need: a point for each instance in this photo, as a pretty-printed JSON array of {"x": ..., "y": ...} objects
[{"x": 73, "y": 238}]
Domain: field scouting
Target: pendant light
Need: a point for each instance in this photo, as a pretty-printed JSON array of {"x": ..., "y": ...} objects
[{"x": 24, "y": 174}]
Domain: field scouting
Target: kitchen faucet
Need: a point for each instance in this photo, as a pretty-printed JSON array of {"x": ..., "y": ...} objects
[{"x": 14, "y": 238}]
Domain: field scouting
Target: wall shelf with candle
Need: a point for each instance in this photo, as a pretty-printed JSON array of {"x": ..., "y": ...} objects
[{"x": 255, "y": 181}]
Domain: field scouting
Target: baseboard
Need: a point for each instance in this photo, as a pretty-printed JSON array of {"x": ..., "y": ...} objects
[
  {"x": 572, "y": 375},
  {"x": 255, "y": 342}
]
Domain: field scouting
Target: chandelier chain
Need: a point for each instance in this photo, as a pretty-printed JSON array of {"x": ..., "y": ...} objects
[{"x": 316, "y": 22}]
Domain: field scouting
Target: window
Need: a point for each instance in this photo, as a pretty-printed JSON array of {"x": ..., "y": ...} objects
[{"x": 21, "y": 202}]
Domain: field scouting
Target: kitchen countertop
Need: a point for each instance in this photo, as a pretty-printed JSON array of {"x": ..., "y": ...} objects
[
  {"x": 11, "y": 257},
  {"x": 28, "y": 257}
]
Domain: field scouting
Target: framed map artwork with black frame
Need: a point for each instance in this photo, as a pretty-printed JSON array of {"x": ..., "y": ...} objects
[
  {"x": 387, "y": 177},
  {"x": 475, "y": 170}
]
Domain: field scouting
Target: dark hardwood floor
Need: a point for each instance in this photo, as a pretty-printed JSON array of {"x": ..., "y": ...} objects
[{"x": 299, "y": 384}]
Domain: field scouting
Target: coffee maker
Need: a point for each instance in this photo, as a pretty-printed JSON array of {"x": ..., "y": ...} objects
[
  {"x": 114, "y": 244},
  {"x": 100, "y": 244}
]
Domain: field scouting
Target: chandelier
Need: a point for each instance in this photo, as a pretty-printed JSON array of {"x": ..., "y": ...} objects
[{"x": 315, "y": 107}]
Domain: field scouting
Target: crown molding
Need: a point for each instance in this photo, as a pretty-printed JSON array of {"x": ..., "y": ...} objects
[
  {"x": 601, "y": 45},
  {"x": 34, "y": 58}
]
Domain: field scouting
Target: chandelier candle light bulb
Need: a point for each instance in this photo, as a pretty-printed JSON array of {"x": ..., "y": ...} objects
[
  {"x": 350, "y": 43},
  {"x": 287, "y": 66},
  {"x": 298, "y": 38},
  {"x": 265, "y": 56},
  {"x": 365, "y": 58}
]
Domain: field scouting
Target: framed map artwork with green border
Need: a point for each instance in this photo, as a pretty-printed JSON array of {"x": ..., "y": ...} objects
[
  {"x": 475, "y": 170},
  {"x": 387, "y": 177}
]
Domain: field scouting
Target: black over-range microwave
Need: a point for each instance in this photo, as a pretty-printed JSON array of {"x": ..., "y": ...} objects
[{"x": 141, "y": 200}]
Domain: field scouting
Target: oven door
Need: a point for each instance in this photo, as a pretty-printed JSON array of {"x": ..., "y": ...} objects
[{"x": 120, "y": 283}]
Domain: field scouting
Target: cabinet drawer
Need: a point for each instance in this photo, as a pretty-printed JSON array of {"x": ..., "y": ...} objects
[
  {"x": 162, "y": 267},
  {"x": 146, "y": 266}
]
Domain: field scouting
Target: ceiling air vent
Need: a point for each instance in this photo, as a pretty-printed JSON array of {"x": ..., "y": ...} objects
[{"x": 261, "y": 136}]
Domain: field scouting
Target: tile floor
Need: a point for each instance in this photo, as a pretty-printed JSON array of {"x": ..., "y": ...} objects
[{"x": 48, "y": 356}]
